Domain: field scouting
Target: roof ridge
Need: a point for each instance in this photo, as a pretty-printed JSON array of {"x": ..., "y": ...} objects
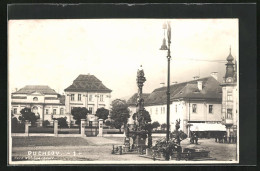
[{"x": 185, "y": 82}]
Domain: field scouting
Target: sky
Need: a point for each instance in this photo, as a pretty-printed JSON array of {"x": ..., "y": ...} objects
[{"x": 55, "y": 52}]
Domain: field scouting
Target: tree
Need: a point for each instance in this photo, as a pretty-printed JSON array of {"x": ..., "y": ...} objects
[
  {"x": 102, "y": 113},
  {"x": 119, "y": 114},
  {"x": 45, "y": 123},
  {"x": 62, "y": 122},
  {"x": 79, "y": 113},
  {"x": 27, "y": 114},
  {"x": 163, "y": 126},
  {"x": 155, "y": 124},
  {"x": 146, "y": 115}
]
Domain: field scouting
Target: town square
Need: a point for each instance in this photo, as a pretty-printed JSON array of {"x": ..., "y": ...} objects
[{"x": 119, "y": 91}]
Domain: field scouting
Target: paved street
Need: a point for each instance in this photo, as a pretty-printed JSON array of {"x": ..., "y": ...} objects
[{"x": 98, "y": 149}]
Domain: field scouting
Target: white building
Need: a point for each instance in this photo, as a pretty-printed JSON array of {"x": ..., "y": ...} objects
[
  {"x": 42, "y": 100},
  {"x": 197, "y": 103},
  {"x": 230, "y": 98},
  {"x": 89, "y": 92}
]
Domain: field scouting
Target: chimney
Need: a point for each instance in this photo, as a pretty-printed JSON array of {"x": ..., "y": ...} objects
[
  {"x": 214, "y": 75},
  {"x": 196, "y": 77},
  {"x": 161, "y": 84},
  {"x": 200, "y": 85},
  {"x": 14, "y": 90},
  {"x": 175, "y": 82}
]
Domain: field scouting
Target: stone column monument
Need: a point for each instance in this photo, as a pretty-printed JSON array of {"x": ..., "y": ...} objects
[{"x": 140, "y": 132}]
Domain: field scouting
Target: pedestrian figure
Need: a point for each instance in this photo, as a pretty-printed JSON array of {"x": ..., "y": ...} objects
[
  {"x": 216, "y": 138},
  {"x": 196, "y": 138},
  {"x": 225, "y": 138}
]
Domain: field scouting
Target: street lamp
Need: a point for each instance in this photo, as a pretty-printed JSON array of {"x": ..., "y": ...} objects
[{"x": 167, "y": 26}]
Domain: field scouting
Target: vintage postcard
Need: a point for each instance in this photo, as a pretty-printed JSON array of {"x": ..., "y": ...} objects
[{"x": 123, "y": 91}]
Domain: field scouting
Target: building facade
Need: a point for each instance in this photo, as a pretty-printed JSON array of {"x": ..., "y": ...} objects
[
  {"x": 42, "y": 100},
  {"x": 230, "y": 98},
  {"x": 197, "y": 103},
  {"x": 89, "y": 92}
]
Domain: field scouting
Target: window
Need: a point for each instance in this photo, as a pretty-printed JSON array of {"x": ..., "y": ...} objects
[
  {"x": 71, "y": 108},
  {"x": 229, "y": 96},
  {"x": 72, "y": 97},
  {"x": 151, "y": 111},
  {"x": 101, "y": 98},
  {"x": 54, "y": 111},
  {"x": 90, "y": 98},
  {"x": 90, "y": 110},
  {"x": 79, "y": 97},
  {"x": 15, "y": 110},
  {"x": 229, "y": 113},
  {"x": 47, "y": 111},
  {"x": 210, "y": 108},
  {"x": 35, "y": 99},
  {"x": 194, "y": 108},
  {"x": 161, "y": 110},
  {"x": 61, "y": 111},
  {"x": 176, "y": 108},
  {"x": 156, "y": 111}
]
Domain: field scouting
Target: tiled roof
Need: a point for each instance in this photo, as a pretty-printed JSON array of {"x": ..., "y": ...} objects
[
  {"x": 29, "y": 89},
  {"x": 87, "y": 83},
  {"x": 133, "y": 100},
  {"x": 19, "y": 97},
  {"x": 211, "y": 89}
]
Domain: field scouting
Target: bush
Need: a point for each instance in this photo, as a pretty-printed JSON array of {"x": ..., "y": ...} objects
[
  {"x": 17, "y": 127},
  {"x": 14, "y": 122},
  {"x": 164, "y": 126},
  {"x": 155, "y": 124},
  {"x": 108, "y": 123},
  {"x": 62, "y": 122},
  {"x": 45, "y": 123}
]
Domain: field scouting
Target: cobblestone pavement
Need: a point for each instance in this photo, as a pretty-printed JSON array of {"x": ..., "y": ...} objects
[{"x": 99, "y": 149}]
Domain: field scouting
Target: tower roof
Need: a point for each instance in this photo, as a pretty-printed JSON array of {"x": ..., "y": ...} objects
[
  {"x": 230, "y": 57},
  {"x": 87, "y": 83}
]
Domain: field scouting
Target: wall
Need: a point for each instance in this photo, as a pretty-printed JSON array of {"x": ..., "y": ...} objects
[{"x": 95, "y": 102}]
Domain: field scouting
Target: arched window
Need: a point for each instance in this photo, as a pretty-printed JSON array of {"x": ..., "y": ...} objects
[{"x": 35, "y": 99}]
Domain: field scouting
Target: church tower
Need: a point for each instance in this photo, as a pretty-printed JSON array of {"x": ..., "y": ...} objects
[
  {"x": 230, "y": 76},
  {"x": 230, "y": 99}
]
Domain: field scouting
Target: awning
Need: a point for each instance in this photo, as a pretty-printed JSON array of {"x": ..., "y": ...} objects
[{"x": 207, "y": 127}]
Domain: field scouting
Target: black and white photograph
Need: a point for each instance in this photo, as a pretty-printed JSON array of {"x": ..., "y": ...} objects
[{"x": 123, "y": 91}]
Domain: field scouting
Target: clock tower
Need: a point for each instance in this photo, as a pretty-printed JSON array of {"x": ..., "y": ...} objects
[
  {"x": 230, "y": 99},
  {"x": 230, "y": 76}
]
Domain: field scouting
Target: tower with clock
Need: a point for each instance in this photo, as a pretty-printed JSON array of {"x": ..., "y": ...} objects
[{"x": 230, "y": 98}]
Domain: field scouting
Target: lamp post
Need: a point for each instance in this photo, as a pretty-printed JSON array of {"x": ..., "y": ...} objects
[{"x": 167, "y": 26}]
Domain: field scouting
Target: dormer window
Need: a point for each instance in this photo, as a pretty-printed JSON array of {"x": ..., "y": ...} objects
[{"x": 35, "y": 99}]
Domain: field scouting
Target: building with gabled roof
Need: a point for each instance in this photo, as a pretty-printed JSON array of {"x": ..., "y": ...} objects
[
  {"x": 196, "y": 102},
  {"x": 87, "y": 91},
  {"x": 43, "y": 101}
]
